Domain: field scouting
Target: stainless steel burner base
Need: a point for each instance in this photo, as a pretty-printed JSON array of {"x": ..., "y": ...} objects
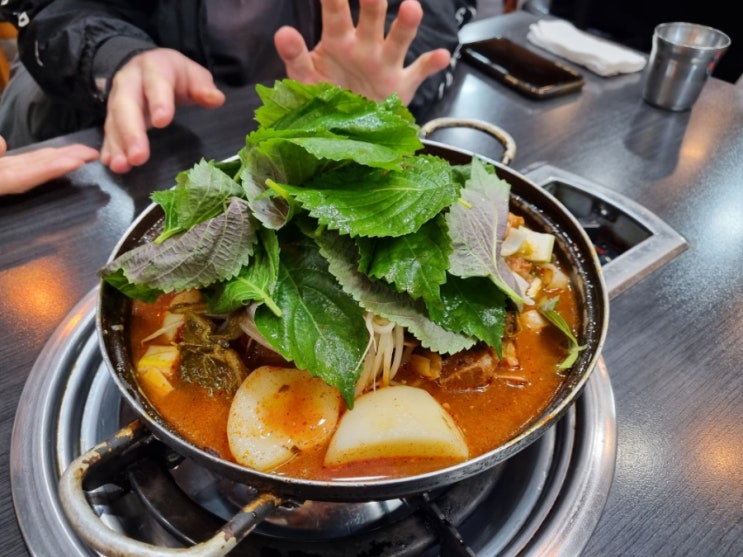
[{"x": 547, "y": 499}]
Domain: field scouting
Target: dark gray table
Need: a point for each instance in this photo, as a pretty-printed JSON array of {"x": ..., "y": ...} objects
[{"x": 675, "y": 344}]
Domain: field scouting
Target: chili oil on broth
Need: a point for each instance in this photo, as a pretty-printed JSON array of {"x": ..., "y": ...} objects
[
  {"x": 193, "y": 412},
  {"x": 488, "y": 415}
]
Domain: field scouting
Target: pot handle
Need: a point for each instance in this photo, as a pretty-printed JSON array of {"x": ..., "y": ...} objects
[
  {"x": 95, "y": 533},
  {"x": 497, "y": 132}
]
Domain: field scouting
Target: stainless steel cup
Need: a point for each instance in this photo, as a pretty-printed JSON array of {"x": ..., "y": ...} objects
[{"x": 681, "y": 60}]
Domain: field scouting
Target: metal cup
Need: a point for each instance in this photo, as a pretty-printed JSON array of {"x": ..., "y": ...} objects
[{"x": 681, "y": 60}]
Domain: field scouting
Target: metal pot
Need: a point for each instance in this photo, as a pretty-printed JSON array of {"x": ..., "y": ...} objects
[{"x": 543, "y": 212}]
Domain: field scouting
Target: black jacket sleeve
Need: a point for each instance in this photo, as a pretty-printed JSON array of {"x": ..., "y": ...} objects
[{"x": 67, "y": 45}]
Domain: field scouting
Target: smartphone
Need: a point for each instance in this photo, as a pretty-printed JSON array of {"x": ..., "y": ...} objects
[{"x": 522, "y": 69}]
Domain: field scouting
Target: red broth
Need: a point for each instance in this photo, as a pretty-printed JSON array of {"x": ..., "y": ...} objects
[{"x": 488, "y": 415}]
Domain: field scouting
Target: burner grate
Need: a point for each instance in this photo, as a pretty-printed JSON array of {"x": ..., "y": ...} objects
[{"x": 401, "y": 527}]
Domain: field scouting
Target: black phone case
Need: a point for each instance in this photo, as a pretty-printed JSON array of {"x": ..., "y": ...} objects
[{"x": 522, "y": 69}]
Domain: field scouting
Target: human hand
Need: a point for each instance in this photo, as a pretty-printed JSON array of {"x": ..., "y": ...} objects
[
  {"x": 144, "y": 94},
  {"x": 361, "y": 58},
  {"x": 22, "y": 172}
]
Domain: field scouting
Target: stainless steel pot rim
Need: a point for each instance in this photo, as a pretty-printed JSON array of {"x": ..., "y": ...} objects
[{"x": 389, "y": 488}]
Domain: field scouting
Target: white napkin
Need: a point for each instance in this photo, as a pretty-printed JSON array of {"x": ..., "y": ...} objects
[{"x": 602, "y": 57}]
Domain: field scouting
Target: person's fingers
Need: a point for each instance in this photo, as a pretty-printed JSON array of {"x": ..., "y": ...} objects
[
  {"x": 145, "y": 93},
  {"x": 370, "y": 27},
  {"x": 125, "y": 142},
  {"x": 402, "y": 32},
  {"x": 63, "y": 160},
  {"x": 125, "y": 132},
  {"x": 429, "y": 63},
  {"x": 199, "y": 87},
  {"x": 336, "y": 18},
  {"x": 296, "y": 57},
  {"x": 121, "y": 150},
  {"x": 113, "y": 156},
  {"x": 159, "y": 95},
  {"x": 20, "y": 173},
  {"x": 424, "y": 66},
  {"x": 79, "y": 151},
  {"x": 113, "y": 153},
  {"x": 170, "y": 78},
  {"x": 125, "y": 89},
  {"x": 207, "y": 96},
  {"x": 3, "y": 146}
]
